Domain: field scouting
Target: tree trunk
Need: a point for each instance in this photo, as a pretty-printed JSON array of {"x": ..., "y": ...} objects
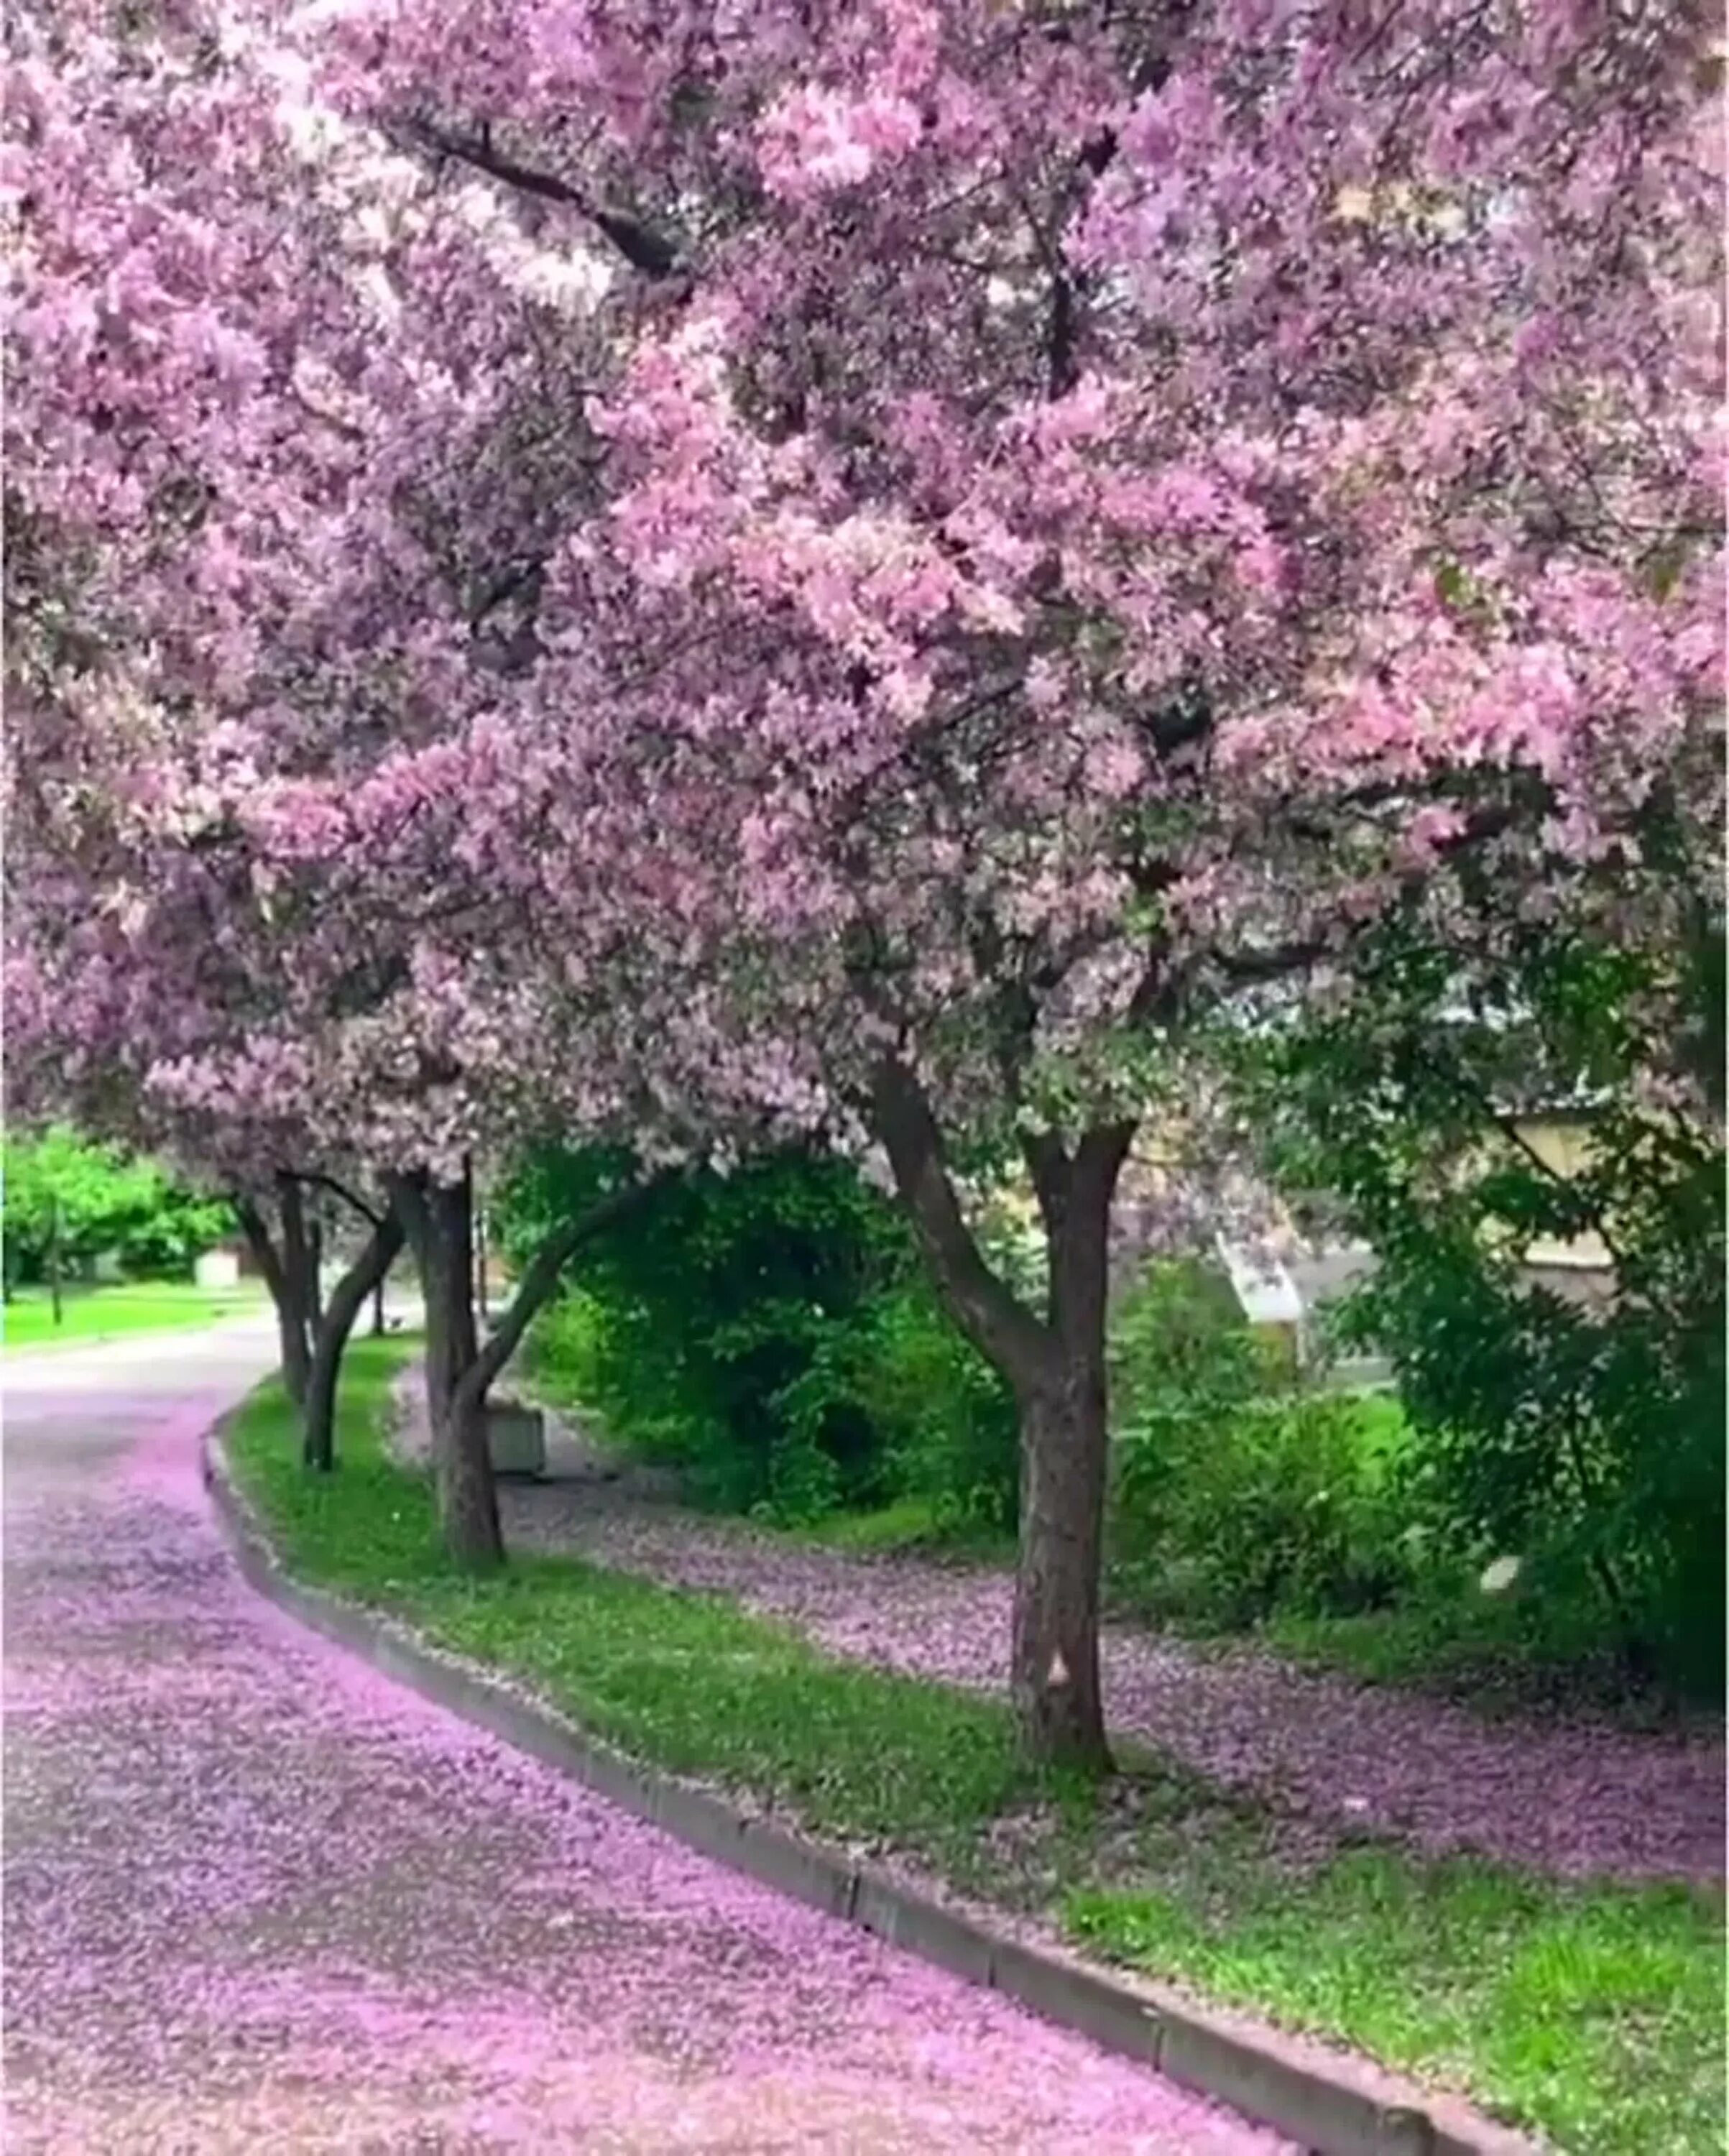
[
  {"x": 378, "y": 1306},
  {"x": 294, "y": 1315},
  {"x": 1055, "y": 1678},
  {"x": 285, "y": 1283},
  {"x": 1055, "y": 1368},
  {"x": 336, "y": 1323},
  {"x": 459, "y": 1370},
  {"x": 315, "y": 1280},
  {"x": 439, "y": 1217}
]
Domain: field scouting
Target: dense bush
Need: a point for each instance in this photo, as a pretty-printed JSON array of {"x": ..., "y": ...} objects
[
  {"x": 1586, "y": 1438},
  {"x": 770, "y": 1334},
  {"x": 1238, "y": 1491}
]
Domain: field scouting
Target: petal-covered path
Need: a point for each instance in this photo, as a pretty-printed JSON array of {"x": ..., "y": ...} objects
[
  {"x": 1573, "y": 1797},
  {"x": 257, "y": 1899}
]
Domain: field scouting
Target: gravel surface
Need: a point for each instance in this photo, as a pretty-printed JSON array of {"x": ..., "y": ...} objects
[
  {"x": 258, "y": 1899},
  {"x": 1573, "y": 1797}
]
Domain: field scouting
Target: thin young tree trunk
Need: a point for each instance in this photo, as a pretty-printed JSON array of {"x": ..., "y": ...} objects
[
  {"x": 1055, "y": 1368},
  {"x": 53, "y": 1257},
  {"x": 334, "y": 1324},
  {"x": 378, "y": 1305}
]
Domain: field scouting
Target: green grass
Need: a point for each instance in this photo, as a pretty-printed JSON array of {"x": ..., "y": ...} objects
[
  {"x": 89, "y": 1314},
  {"x": 1593, "y": 2013},
  {"x": 1496, "y": 1654},
  {"x": 909, "y": 1523}
]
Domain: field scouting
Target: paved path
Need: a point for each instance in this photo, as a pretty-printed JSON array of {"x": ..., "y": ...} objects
[
  {"x": 1568, "y": 1794},
  {"x": 258, "y": 1900}
]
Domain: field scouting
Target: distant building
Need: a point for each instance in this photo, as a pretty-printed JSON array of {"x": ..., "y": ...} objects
[{"x": 1287, "y": 1292}]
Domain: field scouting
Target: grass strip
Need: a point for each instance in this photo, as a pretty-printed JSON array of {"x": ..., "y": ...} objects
[
  {"x": 92, "y": 1314},
  {"x": 1593, "y": 2013}
]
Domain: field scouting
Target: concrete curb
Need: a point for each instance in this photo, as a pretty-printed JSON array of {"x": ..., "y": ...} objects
[{"x": 1331, "y": 2104}]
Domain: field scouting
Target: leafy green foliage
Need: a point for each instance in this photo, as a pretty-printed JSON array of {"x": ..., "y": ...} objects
[
  {"x": 771, "y": 1334},
  {"x": 1239, "y": 1492},
  {"x": 1592, "y": 2012},
  {"x": 1585, "y": 1437},
  {"x": 93, "y": 1199}
]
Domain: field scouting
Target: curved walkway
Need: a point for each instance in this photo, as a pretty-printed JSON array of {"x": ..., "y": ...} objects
[
  {"x": 259, "y": 1900},
  {"x": 1572, "y": 1798}
]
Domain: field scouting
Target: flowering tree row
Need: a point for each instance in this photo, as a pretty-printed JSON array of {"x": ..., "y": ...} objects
[{"x": 677, "y": 572}]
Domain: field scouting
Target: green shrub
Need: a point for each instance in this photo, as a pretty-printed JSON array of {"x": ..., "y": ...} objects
[
  {"x": 1586, "y": 1438},
  {"x": 1237, "y": 1492},
  {"x": 947, "y": 1419},
  {"x": 772, "y": 1335}
]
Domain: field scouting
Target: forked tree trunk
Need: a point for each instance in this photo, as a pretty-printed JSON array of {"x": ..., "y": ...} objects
[
  {"x": 460, "y": 1369},
  {"x": 1055, "y": 1365},
  {"x": 335, "y": 1322}
]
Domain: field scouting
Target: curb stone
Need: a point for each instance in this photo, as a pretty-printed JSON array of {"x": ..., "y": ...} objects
[{"x": 1331, "y": 2104}]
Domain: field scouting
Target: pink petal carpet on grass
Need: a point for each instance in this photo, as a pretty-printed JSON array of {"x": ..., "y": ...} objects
[
  {"x": 258, "y": 1899},
  {"x": 1574, "y": 1798}
]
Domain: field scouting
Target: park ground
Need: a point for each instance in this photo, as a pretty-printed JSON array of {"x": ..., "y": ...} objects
[
  {"x": 1528, "y": 1912},
  {"x": 258, "y": 1899}
]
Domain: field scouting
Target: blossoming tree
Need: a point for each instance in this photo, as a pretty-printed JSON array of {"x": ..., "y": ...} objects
[
  {"x": 1050, "y": 513},
  {"x": 1095, "y": 500}
]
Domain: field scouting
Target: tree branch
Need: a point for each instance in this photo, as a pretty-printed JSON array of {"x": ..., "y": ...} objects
[
  {"x": 349, "y": 1197},
  {"x": 538, "y": 1283},
  {"x": 649, "y": 251},
  {"x": 256, "y": 1230},
  {"x": 996, "y": 1321}
]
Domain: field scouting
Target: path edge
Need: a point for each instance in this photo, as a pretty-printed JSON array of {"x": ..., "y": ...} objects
[{"x": 1329, "y": 2103}]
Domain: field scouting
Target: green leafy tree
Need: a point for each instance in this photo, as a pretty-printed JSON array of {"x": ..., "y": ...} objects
[{"x": 67, "y": 1199}]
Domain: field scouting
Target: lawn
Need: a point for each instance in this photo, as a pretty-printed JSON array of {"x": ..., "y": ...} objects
[
  {"x": 89, "y": 1314},
  {"x": 1593, "y": 2013}
]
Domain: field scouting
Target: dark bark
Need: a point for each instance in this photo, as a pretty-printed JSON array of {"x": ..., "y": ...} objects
[
  {"x": 1054, "y": 1673},
  {"x": 315, "y": 1271},
  {"x": 336, "y": 1323},
  {"x": 287, "y": 1288},
  {"x": 1055, "y": 1368},
  {"x": 651, "y": 252},
  {"x": 1054, "y": 1663},
  {"x": 460, "y": 1369},
  {"x": 372, "y": 1217},
  {"x": 439, "y": 1220}
]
